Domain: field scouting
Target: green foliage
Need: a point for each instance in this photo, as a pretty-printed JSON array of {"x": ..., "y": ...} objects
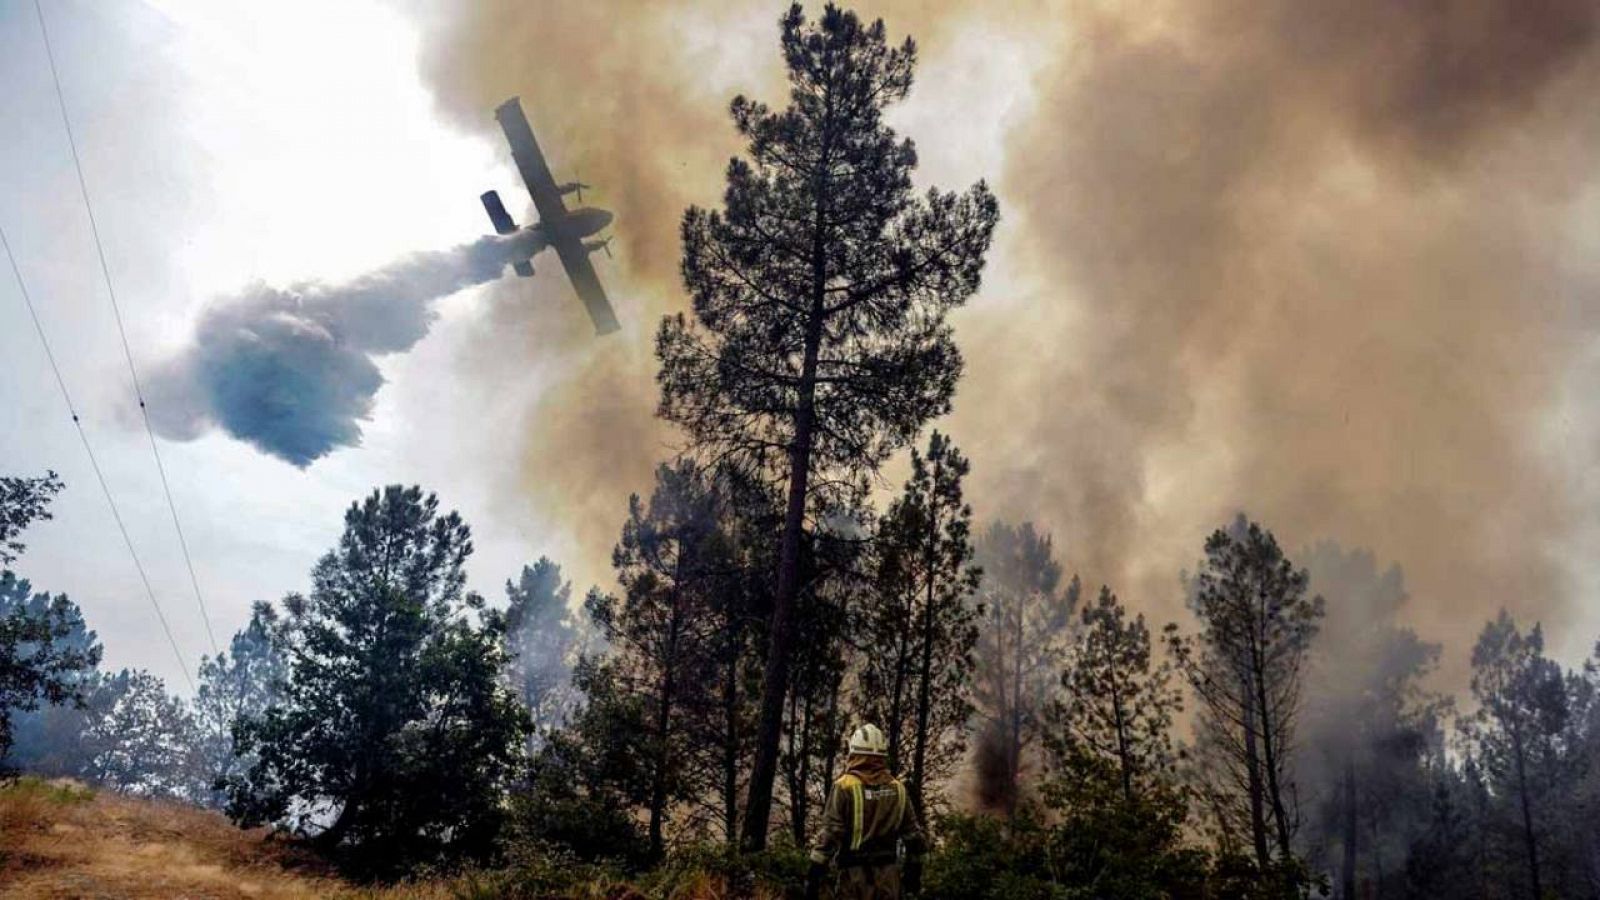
[
  {"x": 236, "y": 688},
  {"x": 689, "y": 868},
  {"x": 589, "y": 779},
  {"x": 144, "y": 741},
  {"x": 665, "y": 632},
  {"x": 532, "y": 871},
  {"x": 62, "y": 793},
  {"x": 542, "y": 642},
  {"x": 1238, "y": 877},
  {"x": 920, "y": 624},
  {"x": 1088, "y": 841},
  {"x": 987, "y": 858},
  {"x": 1246, "y": 665},
  {"x": 1516, "y": 737},
  {"x": 23, "y": 501},
  {"x": 1370, "y": 731},
  {"x": 1112, "y": 843},
  {"x": 395, "y": 738},
  {"x": 46, "y": 652},
  {"x": 1117, "y": 704}
]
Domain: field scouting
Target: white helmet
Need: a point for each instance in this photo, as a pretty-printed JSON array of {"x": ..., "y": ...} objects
[{"x": 868, "y": 740}]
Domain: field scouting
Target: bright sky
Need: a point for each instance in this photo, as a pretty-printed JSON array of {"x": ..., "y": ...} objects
[{"x": 222, "y": 143}]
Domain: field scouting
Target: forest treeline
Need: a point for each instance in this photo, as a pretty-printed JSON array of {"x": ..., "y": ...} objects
[{"x": 771, "y": 593}]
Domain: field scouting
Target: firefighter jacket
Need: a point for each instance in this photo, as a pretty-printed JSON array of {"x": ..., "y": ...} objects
[{"x": 867, "y": 817}]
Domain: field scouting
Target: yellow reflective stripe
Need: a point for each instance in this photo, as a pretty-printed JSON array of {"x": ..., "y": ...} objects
[
  {"x": 851, "y": 786},
  {"x": 857, "y": 801}
]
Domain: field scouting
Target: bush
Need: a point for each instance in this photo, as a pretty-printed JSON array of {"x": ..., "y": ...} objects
[
  {"x": 1085, "y": 846},
  {"x": 535, "y": 872},
  {"x": 718, "y": 870},
  {"x": 985, "y": 858}
]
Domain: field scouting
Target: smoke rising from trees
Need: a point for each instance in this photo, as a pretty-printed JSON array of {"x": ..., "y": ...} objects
[
  {"x": 1305, "y": 258},
  {"x": 293, "y": 371}
]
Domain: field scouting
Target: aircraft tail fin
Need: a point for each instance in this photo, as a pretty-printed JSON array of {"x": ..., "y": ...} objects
[{"x": 503, "y": 223}]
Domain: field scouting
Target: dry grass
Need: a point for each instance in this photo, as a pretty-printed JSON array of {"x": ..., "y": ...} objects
[{"x": 61, "y": 840}]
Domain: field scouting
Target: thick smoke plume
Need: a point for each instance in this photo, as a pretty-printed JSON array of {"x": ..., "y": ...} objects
[
  {"x": 292, "y": 371},
  {"x": 1312, "y": 256},
  {"x": 1307, "y": 258}
]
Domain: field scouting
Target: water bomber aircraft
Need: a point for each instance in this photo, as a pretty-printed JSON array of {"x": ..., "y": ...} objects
[{"x": 558, "y": 227}]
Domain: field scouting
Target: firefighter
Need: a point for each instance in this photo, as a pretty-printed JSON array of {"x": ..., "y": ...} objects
[{"x": 867, "y": 823}]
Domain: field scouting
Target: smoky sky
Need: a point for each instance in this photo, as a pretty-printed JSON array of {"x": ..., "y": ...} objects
[
  {"x": 293, "y": 371},
  {"x": 1307, "y": 259},
  {"x": 1315, "y": 250}
]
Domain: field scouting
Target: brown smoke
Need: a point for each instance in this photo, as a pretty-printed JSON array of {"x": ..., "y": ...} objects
[
  {"x": 1310, "y": 251},
  {"x": 618, "y": 97},
  {"x": 633, "y": 98},
  {"x": 1301, "y": 257}
]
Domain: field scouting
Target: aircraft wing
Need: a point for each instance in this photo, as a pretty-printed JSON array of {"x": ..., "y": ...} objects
[
  {"x": 530, "y": 162},
  {"x": 547, "y": 200},
  {"x": 575, "y": 258}
]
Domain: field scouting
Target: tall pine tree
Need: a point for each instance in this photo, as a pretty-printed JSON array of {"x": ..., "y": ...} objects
[
  {"x": 917, "y": 681},
  {"x": 237, "y": 687},
  {"x": 1025, "y": 632},
  {"x": 818, "y": 344},
  {"x": 542, "y": 645},
  {"x": 1117, "y": 704},
  {"x": 1515, "y": 734},
  {"x": 669, "y": 561},
  {"x": 1246, "y": 667}
]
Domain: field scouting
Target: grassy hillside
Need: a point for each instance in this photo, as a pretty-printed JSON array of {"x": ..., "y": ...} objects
[
  {"x": 62, "y": 840},
  {"x": 59, "y": 839}
]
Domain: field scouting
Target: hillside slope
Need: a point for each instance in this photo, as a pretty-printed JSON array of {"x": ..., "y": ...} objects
[{"x": 60, "y": 840}]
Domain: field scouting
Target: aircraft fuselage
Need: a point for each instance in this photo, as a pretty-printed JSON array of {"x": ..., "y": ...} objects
[{"x": 575, "y": 225}]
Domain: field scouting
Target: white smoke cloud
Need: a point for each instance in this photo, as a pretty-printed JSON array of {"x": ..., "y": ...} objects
[{"x": 293, "y": 371}]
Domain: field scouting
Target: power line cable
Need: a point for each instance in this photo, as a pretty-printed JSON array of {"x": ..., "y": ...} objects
[
  {"x": 116, "y": 309},
  {"x": 94, "y": 463}
]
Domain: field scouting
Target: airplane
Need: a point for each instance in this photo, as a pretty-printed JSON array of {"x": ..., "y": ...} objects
[{"x": 558, "y": 226}]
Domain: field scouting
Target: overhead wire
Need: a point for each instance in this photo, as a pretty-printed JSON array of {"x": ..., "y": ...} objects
[
  {"x": 116, "y": 309},
  {"x": 94, "y": 463}
]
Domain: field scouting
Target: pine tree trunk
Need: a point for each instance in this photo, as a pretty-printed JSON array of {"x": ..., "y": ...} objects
[
  {"x": 1530, "y": 841},
  {"x": 1272, "y": 763},
  {"x": 775, "y": 681},
  {"x": 1252, "y": 763},
  {"x": 730, "y": 740},
  {"x": 799, "y": 793},
  {"x": 919, "y": 767},
  {"x": 1347, "y": 877},
  {"x": 663, "y": 727},
  {"x": 925, "y": 671},
  {"x": 1014, "y": 750},
  {"x": 1124, "y": 751},
  {"x": 791, "y": 772},
  {"x": 897, "y": 694}
]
